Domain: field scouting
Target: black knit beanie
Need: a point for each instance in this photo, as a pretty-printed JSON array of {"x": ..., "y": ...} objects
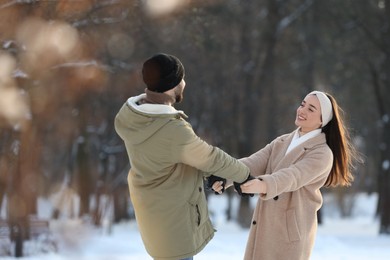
[{"x": 162, "y": 72}]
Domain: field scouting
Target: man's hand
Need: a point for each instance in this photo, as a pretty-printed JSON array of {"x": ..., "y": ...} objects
[{"x": 217, "y": 184}]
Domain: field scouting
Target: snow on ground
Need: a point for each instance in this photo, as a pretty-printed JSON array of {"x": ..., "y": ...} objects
[{"x": 353, "y": 238}]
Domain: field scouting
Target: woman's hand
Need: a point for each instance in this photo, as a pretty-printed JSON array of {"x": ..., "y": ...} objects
[{"x": 254, "y": 186}]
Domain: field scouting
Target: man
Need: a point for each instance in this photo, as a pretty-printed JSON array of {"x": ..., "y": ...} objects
[{"x": 168, "y": 164}]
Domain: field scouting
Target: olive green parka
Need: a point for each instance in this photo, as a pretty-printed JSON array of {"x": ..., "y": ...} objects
[{"x": 168, "y": 164}]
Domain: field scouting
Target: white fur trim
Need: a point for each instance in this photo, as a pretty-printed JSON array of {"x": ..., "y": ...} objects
[{"x": 152, "y": 109}]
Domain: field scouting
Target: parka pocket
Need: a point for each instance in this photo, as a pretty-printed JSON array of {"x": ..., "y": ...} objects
[
  {"x": 198, "y": 219},
  {"x": 292, "y": 226},
  {"x": 195, "y": 215},
  {"x": 198, "y": 211}
]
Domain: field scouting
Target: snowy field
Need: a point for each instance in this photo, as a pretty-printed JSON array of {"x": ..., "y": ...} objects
[{"x": 354, "y": 238}]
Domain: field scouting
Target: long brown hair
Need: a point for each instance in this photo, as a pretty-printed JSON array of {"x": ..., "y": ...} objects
[{"x": 344, "y": 153}]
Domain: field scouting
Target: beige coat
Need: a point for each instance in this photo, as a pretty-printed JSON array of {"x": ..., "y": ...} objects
[
  {"x": 284, "y": 223},
  {"x": 166, "y": 178}
]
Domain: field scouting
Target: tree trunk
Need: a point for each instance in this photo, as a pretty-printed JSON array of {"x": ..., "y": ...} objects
[
  {"x": 252, "y": 95},
  {"x": 83, "y": 178},
  {"x": 121, "y": 204},
  {"x": 384, "y": 146},
  {"x": 245, "y": 104},
  {"x": 384, "y": 181}
]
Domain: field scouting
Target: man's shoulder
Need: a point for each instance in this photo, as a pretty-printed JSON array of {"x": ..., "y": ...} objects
[
  {"x": 178, "y": 123},
  {"x": 178, "y": 128}
]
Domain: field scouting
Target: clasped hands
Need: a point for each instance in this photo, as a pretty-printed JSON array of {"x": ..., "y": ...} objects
[{"x": 246, "y": 188}]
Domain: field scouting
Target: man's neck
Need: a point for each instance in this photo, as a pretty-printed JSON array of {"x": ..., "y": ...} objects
[{"x": 158, "y": 98}]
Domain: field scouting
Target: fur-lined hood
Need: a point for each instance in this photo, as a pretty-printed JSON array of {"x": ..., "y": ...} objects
[
  {"x": 152, "y": 110},
  {"x": 143, "y": 120}
]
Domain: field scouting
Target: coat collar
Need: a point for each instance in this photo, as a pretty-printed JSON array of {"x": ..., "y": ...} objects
[{"x": 297, "y": 152}]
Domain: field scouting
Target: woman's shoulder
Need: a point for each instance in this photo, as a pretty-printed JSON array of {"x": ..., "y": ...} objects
[
  {"x": 319, "y": 148},
  {"x": 283, "y": 137}
]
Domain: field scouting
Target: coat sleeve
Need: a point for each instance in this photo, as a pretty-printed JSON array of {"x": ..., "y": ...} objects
[
  {"x": 258, "y": 161},
  {"x": 314, "y": 166},
  {"x": 188, "y": 148}
]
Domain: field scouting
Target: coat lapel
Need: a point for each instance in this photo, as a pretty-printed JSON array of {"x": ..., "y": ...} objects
[
  {"x": 286, "y": 160},
  {"x": 280, "y": 149}
]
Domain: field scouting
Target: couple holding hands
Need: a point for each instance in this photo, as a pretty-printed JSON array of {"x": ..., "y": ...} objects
[{"x": 169, "y": 163}]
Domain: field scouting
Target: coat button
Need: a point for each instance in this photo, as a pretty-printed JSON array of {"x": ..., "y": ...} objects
[
  {"x": 254, "y": 222},
  {"x": 200, "y": 189},
  {"x": 276, "y": 198}
]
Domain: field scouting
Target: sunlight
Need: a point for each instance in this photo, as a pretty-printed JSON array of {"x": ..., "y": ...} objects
[
  {"x": 13, "y": 106},
  {"x": 39, "y": 35},
  {"x": 382, "y": 4},
  {"x": 158, "y": 7},
  {"x": 120, "y": 46},
  {"x": 7, "y": 65},
  {"x": 46, "y": 43}
]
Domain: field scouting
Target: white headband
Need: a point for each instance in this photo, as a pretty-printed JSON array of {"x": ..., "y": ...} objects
[{"x": 326, "y": 106}]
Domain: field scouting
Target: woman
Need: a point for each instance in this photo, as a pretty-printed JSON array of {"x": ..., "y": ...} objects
[{"x": 289, "y": 174}]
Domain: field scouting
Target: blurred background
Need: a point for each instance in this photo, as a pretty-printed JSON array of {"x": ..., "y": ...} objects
[{"x": 67, "y": 66}]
